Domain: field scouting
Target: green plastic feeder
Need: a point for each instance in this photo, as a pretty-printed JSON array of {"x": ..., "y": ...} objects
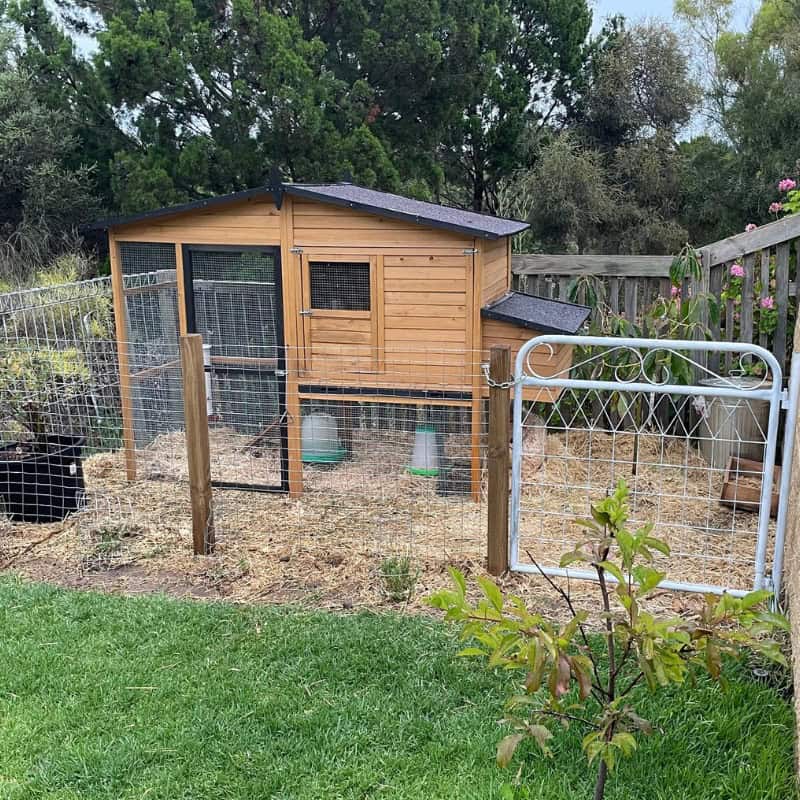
[{"x": 321, "y": 443}]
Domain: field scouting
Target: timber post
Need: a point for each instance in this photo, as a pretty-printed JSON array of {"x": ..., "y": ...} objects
[
  {"x": 499, "y": 460},
  {"x": 197, "y": 445}
]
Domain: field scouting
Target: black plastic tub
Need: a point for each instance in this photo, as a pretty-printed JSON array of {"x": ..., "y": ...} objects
[{"x": 45, "y": 485}]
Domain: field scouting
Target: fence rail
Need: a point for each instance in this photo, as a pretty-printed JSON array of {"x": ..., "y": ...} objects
[{"x": 757, "y": 307}]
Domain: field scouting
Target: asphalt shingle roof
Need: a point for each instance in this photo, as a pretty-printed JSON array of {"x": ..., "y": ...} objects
[
  {"x": 352, "y": 196},
  {"x": 418, "y": 211},
  {"x": 537, "y": 313}
]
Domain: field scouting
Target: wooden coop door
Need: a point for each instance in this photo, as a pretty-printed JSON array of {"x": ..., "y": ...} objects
[
  {"x": 234, "y": 299},
  {"x": 339, "y": 313}
]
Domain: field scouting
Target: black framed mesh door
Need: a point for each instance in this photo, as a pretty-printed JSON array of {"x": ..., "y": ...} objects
[{"x": 233, "y": 298}]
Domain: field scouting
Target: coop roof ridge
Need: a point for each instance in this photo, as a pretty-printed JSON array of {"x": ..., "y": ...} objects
[
  {"x": 348, "y": 195},
  {"x": 421, "y": 212}
]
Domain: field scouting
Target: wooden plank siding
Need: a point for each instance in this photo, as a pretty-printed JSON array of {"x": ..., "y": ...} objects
[
  {"x": 494, "y": 277},
  {"x": 251, "y": 222},
  {"x": 419, "y": 317},
  {"x": 324, "y": 225}
]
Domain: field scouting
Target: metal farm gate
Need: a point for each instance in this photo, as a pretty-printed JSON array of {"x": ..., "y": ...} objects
[{"x": 692, "y": 427}]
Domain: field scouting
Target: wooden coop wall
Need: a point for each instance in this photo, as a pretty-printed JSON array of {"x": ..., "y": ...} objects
[
  {"x": 424, "y": 317},
  {"x": 423, "y": 331},
  {"x": 513, "y": 336},
  {"x": 496, "y": 277}
]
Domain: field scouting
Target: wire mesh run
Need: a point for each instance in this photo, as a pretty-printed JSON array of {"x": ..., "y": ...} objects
[
  {"x": 142, "y": 257},
  {"x": 151, "y": 346},
  {"x": 235, "y": 301}
]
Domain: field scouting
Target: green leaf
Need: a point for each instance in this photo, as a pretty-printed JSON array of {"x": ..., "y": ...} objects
[
  {"x": 471, "y": 651},
  {"x": 492, "y": 592},
  {"x": 647, "y": 579},
  {"x": 756, "y": 598},
  {"x": 613, "y": 569},
  {"x": 657, "y": 544},
  {"x": 458, "y": 580},
  {"x": 625, "y": 742},
  {"x": 775, "y": 620},
  {"x": 507, "y": 748}
]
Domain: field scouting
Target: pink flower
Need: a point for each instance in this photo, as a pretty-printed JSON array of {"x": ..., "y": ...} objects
[
  {"x": 750, "y": 227},
  {"x": 767, "y": 302},
  {"x": 676, "y": 292},
  {"x": 775, "y": 208},
  {"x": 737, "y": 270},
  {"x": 786, "y": 185}
]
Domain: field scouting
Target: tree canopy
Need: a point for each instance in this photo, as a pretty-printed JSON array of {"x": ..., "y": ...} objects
[{"x": 508, "y": 106}]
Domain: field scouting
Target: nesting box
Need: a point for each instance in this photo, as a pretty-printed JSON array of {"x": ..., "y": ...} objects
[{"x": 325, "y": 291}]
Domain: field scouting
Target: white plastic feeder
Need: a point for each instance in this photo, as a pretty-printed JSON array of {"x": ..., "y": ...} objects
[
  {"x": 425, "y": 458},
  {"x": 321, "y": 443}
]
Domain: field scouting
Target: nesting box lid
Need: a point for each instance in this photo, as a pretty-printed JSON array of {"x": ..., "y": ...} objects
[{"x": 537, "y": 313}]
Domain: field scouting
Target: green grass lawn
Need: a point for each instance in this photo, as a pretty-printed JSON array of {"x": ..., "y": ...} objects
[{"x": 108, "y": 697}]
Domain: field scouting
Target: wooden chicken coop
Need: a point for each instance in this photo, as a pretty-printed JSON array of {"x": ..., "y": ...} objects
[{"x": 311, "y": 291}]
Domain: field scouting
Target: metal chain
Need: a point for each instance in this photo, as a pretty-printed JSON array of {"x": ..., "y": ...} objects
[{"x": 499, "y": 384}]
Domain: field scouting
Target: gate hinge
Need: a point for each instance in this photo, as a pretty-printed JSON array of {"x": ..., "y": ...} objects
[
  {"x": 471, "y": 251},
  {"x": 785, "y": 400},
  {"x": 296, "y": 250}
]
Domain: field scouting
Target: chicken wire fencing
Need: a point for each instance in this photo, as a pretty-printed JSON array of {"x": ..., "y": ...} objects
[
  {"x": 390, "y": 464},
  {"x": 59, "y": 396},
  {"x": 698, "y": 456}
]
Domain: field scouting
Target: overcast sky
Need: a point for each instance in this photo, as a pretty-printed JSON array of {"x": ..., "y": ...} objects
[{"x": 638, "y": 9}]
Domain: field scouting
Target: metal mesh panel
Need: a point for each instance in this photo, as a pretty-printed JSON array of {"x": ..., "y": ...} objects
[
  {"x": 139, "y": 257},
  {"x": 246, "y": 427},
  {"x": 245, "y": 399},
  {"x": 339, "y": 286},
  {"x": 151, "y": 306},
  {"x": 235, "y": 302}
]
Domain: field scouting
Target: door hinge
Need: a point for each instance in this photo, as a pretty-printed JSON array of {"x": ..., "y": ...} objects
[
  {"x": 306, "y": 312},
  {"x": 471, "y": 251},
  {"x": 296, "y": 250}
]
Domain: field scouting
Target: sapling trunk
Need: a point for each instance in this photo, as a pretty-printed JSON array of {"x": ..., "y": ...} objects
[
  {"x": 600, "y": 785},
  {"x": 611, "y": 686}
]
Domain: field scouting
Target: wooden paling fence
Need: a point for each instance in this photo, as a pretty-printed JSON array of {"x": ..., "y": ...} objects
[{"x": 628, "y": 284}]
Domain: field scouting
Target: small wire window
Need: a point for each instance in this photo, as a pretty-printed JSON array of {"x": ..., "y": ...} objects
[{"x": 339, "y": 286}]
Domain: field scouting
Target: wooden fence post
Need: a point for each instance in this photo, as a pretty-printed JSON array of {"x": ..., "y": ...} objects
[
  {"x": 499, "y": 460},
  {"x": 197, "y": 447},
  {"x": 791, "y": 562}
]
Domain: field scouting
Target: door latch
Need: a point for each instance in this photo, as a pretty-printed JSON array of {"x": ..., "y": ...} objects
[{"x": 306, "y": 312}]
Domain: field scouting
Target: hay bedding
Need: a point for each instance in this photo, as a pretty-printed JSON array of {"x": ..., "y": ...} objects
[{"x": 326, "y": 548}]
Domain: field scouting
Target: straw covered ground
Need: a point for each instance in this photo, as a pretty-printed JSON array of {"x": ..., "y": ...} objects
[{"x": 330, "y": 547}]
